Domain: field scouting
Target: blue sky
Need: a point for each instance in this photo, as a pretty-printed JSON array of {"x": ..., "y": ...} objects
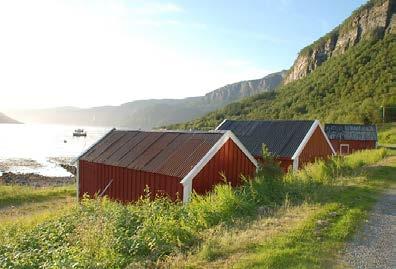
[
  {"x": 90, "y": 53},
  {"x": 267, "y": 33}
]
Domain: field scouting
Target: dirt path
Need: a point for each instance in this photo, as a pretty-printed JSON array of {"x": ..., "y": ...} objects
[{"x": 375, "y": 245}]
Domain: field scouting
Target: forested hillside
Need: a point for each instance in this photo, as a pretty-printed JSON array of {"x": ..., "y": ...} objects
[
  {"x": 346, "y": 88},
  {"x": 344, "y": 76}
]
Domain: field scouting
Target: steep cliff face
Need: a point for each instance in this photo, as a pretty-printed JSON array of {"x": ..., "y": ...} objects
[
  {"x": 371, "y": 21},
  {"x": 246, "y": 88}
]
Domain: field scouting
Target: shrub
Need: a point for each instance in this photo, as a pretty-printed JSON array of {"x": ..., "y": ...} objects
[{"x": 100, "y": 233}]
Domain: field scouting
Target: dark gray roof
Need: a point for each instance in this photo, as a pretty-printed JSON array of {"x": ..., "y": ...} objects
[
  {"x": 281, "y": 137},
  {"x": 351, "y": 132}
]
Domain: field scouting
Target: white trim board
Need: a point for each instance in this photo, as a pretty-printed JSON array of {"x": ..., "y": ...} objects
[
  {"x": 307, "y": 137},
  {"x": 344, "y": 145},
  {"x": 328, "y": 140},
  {"x": 187, "y": 180},
  {"x": 305, "y": 140},
  {"x": 221, "y": 123}
]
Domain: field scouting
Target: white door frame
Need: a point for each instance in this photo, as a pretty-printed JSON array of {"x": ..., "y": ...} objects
[{"x": 344, "y": 145}]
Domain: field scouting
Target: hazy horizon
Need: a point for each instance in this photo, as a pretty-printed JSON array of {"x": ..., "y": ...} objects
[{"x": 88, "y": 54}]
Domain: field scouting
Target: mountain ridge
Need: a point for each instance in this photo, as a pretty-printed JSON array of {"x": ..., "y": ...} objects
[
  {"x": 151, "y": 113},
  {"x": 371, "y": 20},
  {"x": 349, "y": 87}
]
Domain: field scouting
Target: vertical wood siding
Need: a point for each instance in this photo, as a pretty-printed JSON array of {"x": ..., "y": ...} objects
[
  {"x": 316, "y": 148},
  {"x": 231, "y": 161},
  {"x": 354, "y": 145},
  {"x": 128, "y": 184},
  {"x": 285, "y": 163}
]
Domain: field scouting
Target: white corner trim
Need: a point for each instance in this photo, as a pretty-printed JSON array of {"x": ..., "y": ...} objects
[
  {"x": 187, "y": 180},
  {"x": 94, "y": 144},
  {"x": 327, "y": 139},
  {"x": 308, "y": 136},
  {"x": 305, "y": 140},
  {"x": 187, "y": 190},
  {"x": 295, "y": 164},
  {"x": 243, "y": 148},
  {"x": 218, "y": 126}
]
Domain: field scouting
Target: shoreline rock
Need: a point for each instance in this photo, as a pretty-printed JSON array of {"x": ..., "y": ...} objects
[
  {"x": 34, "y": 180},
  {"x": 69, "y": 168}
]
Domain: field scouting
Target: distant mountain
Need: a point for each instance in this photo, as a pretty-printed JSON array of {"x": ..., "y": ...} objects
[
  {"x": 236, "y": 91},
  {"x": 5, "y": 119},
  {"x": 151, "y": 113},
  {"x": 345, "y": 76}
]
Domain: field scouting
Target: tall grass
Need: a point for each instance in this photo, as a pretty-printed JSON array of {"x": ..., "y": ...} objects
[
  {"x": 387, "y": 134},
  {"x": 103, "y": 234},
  {"x": 337, "y": 166},
  {"x": 15, "y": 194}
]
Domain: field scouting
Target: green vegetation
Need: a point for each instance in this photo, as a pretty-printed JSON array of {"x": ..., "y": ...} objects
[
  {"x": 30, "y": 213},
  {"x": 16, "y": 195},
  {"x": 387, "y": 134},
  {"x": 309, "y": 235},
  {"x": 103, "y": 234},
  {"x": 24, "y": 206},
  {"x": 349, "y": 88}
]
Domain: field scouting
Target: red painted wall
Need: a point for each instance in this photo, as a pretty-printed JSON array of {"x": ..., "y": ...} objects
[
  {"x": 230, "y": 160},
  {"x": 353, "y": 145},
  {"x": 316, "y": 148},
  {"x": 285, "y": 163},
  {"x": 128, "y": 184}
]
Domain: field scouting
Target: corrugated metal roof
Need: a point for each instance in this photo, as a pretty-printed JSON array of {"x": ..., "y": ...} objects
[
  {"x": 351, "y": 132},
  {"x": 168, "y": 152},
  {"x": 281, "y": 137}
]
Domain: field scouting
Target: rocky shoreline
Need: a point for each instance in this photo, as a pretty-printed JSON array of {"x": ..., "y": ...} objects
[
  {"x": 69, "y": 168},
  {"x": 34, "y": 180}
]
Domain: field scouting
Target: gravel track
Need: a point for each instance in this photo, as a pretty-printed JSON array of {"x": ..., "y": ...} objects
[{"x": 375, "y": 245}]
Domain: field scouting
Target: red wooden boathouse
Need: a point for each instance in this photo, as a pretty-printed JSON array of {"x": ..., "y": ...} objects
[
  {"x": 171, "y": 163},
  {"x": 347, "y": 138},
  {"x": 293, "y": 143}
]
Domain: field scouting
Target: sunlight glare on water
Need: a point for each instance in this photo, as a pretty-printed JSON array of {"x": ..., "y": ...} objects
[{"x": 40, "y": 143}]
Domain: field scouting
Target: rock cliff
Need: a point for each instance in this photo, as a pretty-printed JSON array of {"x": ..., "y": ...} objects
[
  {"x": 246, "y": 88},
  {"x": 371, "y": 21}
]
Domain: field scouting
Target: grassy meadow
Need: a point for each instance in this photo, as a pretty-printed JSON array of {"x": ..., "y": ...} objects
[
  {"x": 387, "y": 134},
  {"x": 298, "y": 220},
  {"x": 12, "y": 195}
]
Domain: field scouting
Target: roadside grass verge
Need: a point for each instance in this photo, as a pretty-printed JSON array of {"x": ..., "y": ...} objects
[
  {"x": 316, "y": 210},
  {"x": 13, "y": 195},
  {"x": 387, "y": 134},
  {"x": 332, "y": 211}
]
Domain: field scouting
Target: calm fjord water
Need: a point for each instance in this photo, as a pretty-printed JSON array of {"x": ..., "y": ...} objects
[{"x": 32, "y": 148}]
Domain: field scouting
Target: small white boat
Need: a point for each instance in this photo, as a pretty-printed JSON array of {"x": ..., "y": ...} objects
[{"x": 79, "y": 132}]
